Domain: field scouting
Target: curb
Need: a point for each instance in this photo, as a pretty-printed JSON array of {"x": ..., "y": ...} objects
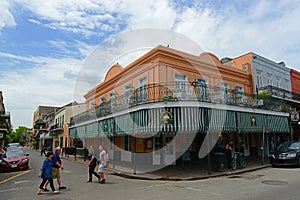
[{"x": 167, "y": 178}]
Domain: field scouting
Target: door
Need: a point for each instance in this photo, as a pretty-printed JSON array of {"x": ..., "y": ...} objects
[
  {"x": 225, "y": 91},
  {"x": 203, "y": 89},
  {"x": 156, "y": 152},
  {"x": 169, "y": 154},
  {"x": 240, "y": 98},
  {"x": 142, "y": 90}
]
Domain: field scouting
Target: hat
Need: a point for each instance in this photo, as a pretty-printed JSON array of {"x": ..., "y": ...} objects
[{"x": 57, "y": 148}]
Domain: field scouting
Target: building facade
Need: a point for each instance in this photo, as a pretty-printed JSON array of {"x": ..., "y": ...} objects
[
  {"x": 265, "y": 72},
  {"x": 167, "y": 104},
  {"x": 5, "y": 124},
  {"x": 55, "y": 132},
  {"x": 40, "y": 117},
  {"x": 295, "y": 111}
]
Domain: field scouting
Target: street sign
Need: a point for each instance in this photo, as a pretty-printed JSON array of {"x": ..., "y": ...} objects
[
  {"x": 294, "y": 116},
  {"x": 1, "y": 135}
]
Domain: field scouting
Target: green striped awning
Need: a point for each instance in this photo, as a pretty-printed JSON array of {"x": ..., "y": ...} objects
[
  {"x": 245, "y": 125},
  {"x": 81, "y": 131},
  {"x": 92, "y": 130},
  {"x": 124, "y": 124},
  {"x": 73, "y": 133},
  {"x": 277, "y": 124},
  {"x": 221, "y": 121},
  {"x": 106, "y": 127},
  {"x": 141, "y": 118}
]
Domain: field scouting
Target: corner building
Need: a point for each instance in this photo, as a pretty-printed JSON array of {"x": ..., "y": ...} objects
[{"x": 172, "y": 108}]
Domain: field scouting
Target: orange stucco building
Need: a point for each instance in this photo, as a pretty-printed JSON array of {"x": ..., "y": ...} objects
[
  {"x": 171, "y": 102},
  {"x": 160, "y": 65}
]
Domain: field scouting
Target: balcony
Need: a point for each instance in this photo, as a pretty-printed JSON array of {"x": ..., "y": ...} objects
[
  {"x": 5, "y": 117},
  {"x": 170, "y": 92},
  {"x": 280, "y": 93}
]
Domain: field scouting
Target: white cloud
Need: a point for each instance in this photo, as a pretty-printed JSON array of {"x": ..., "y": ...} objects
[
  {"x": 6, "y": 18},
  {"x": 45, "y": 82},
  {"x": 267, "y": 28}
]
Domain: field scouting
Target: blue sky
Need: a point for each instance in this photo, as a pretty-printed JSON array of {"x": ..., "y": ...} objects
[{"x": 44, "y": 44}]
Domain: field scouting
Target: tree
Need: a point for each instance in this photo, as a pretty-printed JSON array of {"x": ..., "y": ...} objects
[{"x": 18, "y": 134}]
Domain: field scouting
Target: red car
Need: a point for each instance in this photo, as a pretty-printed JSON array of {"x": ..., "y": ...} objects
[{"x": 14, "y": 159}]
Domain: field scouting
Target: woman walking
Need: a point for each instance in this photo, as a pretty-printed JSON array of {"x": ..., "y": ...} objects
[
  {"x": 46, "y": 173},
  {"x": 102, "y": 164}
]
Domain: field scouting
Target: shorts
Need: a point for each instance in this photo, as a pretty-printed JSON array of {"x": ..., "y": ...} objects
[
  {"x": 101, "y": 168},
  {"x": 55, "y": 173}
]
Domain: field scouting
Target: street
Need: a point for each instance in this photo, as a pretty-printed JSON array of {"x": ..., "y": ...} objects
[{"x": 269, "y": 183}]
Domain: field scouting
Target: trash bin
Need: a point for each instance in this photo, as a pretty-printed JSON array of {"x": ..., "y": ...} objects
[{"x": 220, "y": 161}]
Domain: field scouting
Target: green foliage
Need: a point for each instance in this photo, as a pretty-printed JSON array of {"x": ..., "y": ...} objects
[
  {"x": 284, "y": 107},
  {"x": 19, "y": 133},
  {"x": 264, "y": 95}
]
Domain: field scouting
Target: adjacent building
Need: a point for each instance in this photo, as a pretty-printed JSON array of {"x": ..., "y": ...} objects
[
  {"x": 39, "y": 123},
  {"x": 167, "y": 103},
  {"x": 53, "y": 130},
  {"x": 5, "y": 124}
]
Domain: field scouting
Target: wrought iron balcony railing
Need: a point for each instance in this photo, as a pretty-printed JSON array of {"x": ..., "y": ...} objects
[
  {"x": 279, "y": 92},
  {"x": 168, "y": 92}
]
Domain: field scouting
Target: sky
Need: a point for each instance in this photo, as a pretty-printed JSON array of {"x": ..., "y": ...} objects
[{"x": 45, "y": 46}]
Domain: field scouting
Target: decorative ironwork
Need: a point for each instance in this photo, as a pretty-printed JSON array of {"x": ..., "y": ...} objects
[{"x": 165, "y": 92}]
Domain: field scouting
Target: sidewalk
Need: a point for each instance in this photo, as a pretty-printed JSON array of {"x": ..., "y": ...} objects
[{"x": 177, "y": 173}]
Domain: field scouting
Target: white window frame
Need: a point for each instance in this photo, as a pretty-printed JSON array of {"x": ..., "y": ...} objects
[
  {"x": 278, "y": 82},
  {"x": 127, "y": 94},
  {"x": 269, "y": 79},
  {"x": 225, "y": 87},
  {"x": 142, "y": 91},
  {"x": 259, "y": 76}
]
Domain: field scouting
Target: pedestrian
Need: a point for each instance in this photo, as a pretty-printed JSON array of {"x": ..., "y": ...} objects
[
  {"x": 102, "y": 164},
  {"x": 74, "y": 152},
  {"x": 57, "y": 165},
  {"x": 46, "y": 173},
  {"x": 92, "y": 165},
  {"x": 43, "y": 150},
  {"x": 2, "y": 153},
  {"x": 229, "y": 150},
  {"x": 85, "y": 153}
]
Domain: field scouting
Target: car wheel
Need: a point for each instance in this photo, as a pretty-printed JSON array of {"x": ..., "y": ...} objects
[{"x": 298, "y": 161}]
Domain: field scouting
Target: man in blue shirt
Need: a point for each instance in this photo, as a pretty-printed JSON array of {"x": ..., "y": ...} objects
[
  {"x": 57, "y": 164},
  {"x": 46, "y": 173}
]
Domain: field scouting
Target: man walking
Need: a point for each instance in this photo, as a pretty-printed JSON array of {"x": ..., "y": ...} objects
[
  {"x": 92, "y": 164},
  {"x": 57, "y": 164}
]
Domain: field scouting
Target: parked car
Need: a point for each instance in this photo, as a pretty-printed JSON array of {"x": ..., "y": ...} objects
[
  {"x": 288, "y": 153},
  {"x": 14, "y": 159},
  {"x": 13, "y": 145}
]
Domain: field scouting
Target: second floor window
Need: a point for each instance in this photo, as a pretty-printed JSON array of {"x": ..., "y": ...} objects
[
  {"x": 286, "y": 84},
  {"x": 278, "y": 82},
  {"x": 259, "y": 76},
  {"x": 269, "y": 79},
  {"x": 180, "y": 81},
  {"x": 102, "y": 101}
]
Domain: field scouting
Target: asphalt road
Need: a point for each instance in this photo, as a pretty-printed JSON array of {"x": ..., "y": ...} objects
[{"x": 270, "y": 183}]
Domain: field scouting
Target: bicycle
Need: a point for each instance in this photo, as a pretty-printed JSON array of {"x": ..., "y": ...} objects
[{"x": 238, "y": 160}]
